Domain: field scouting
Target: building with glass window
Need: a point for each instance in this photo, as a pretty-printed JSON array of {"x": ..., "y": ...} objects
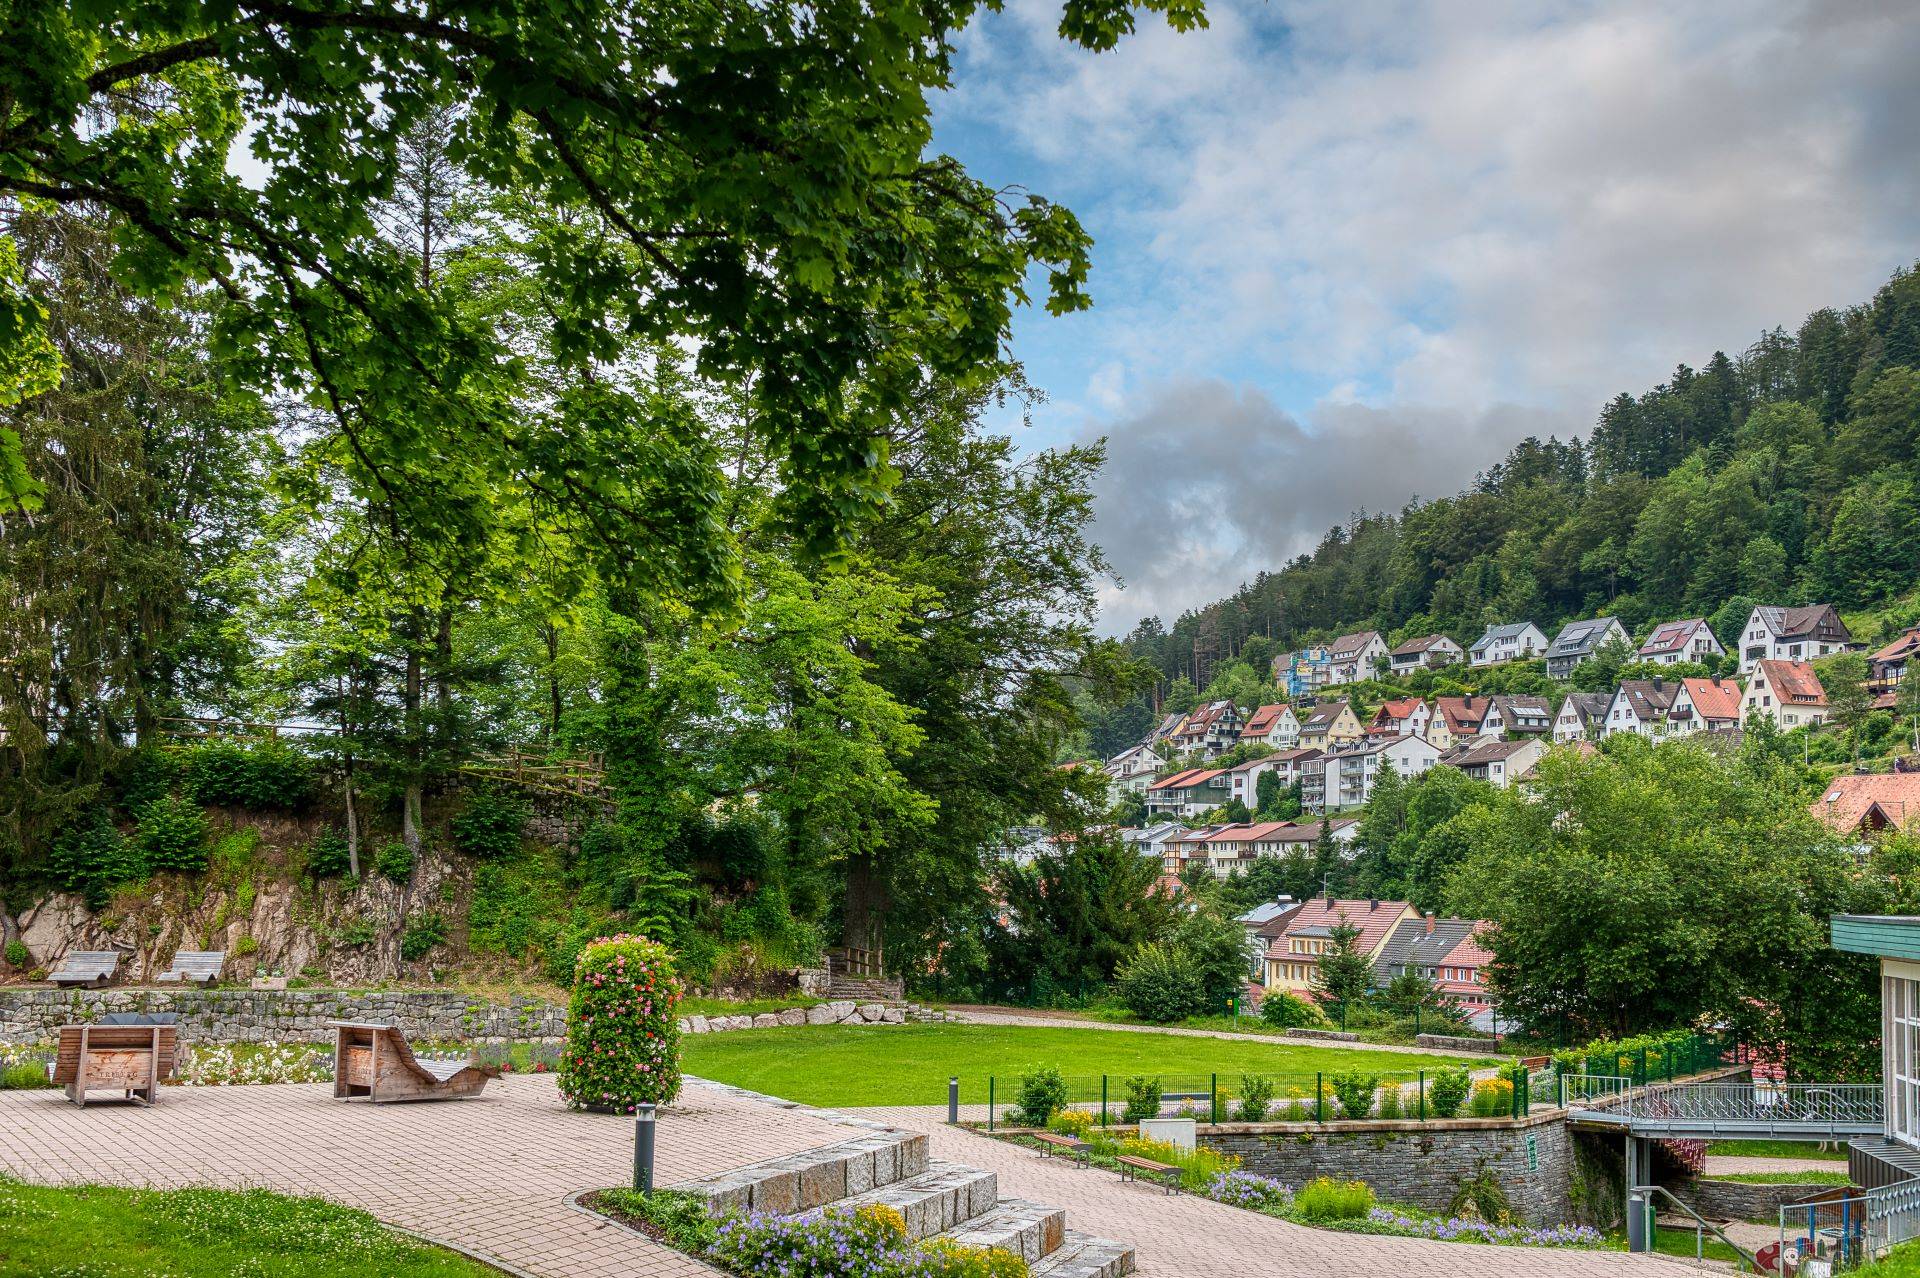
[{"x": 1894, "y": 1156}]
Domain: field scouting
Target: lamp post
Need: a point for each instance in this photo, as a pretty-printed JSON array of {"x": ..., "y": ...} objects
[{"x": 643, "y": 1148}]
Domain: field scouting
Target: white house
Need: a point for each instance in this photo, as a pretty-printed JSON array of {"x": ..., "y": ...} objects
[
  {"x": 1672, "y": 642},
  {"x": 1349, "y": 773},
  {"x": 1355, "y": 656},
  {"x": 1705, "y": 705},
  {"x": 1578, "y": 641},
  {"x": 1428, "y": 652},
  {"x": 1275, "y": 725},
  {"x": 1582, "y": 717},
  {"x": 1792, "y": 634},
  {"x": 1641, "y": 706},
  {"x": 1787, "y": 692},
  {"x": 1405, "y": 717},
  {"x": 1132, "y": 771},
  {"x": 1521, "y": 640},
  {"x": 1498, "y": 763}
]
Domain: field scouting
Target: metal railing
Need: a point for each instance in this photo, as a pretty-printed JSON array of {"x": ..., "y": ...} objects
[
  {"x": 1832, "y": 1109},
  {"x": 1848, "y": 1231},
  {"x": 1701, "y": 1225}
]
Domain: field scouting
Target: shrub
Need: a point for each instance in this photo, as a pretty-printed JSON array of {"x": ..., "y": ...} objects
[
  {"x": 1491, "y": 1098},
  {"x": 949, "y": 1259},
  {"x": 1287, "y": 1011},
  {"x": 327, "y": 856},
  {"x": 395, "y": 860},
  {"x": 1485, "y": 1195},
  {"x": 1447, "y": 1092},
  {"x": 256, "y": 775},
  {"x": 623, "y": 1042},
  {"x": 681, "y": 1217},
  {"x": 1143, "y": 1099},
  {"x": 1389, "y": 1104},
  {"x": 142, "y": 775},
  {"x": 1328, "y": 1199},
  {"x": 18, "y": 955},
  {"x": 355, "y": 934},
  {"x": 1043, "y": 1093},
  {"x": 1256, "y": 1094},
  {"x": 90, "y": 857},
  {"x": 423, "y": 932},
  {"x": 1158, "y": 985},
  {"x": 1249, "y": 1190},
  {"x": 1355, "y": 1093},
  {"x": 1072, "y": 1122},
  {"x": 172, "y": 835},
  {"x": 24, "y": 1076},
  {"x": 489, "y": 823},
  {"x": 244, "y": 946}
]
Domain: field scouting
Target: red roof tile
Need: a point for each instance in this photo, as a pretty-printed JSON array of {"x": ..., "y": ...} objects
[
  {"x": 1850, "y": 800},
  {"x": 1714, "y": 700},
  {"x": 1794, "y": 682}
]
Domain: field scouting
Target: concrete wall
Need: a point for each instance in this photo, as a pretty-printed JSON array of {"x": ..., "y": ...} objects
[{"x": 1423, "y": 1164}]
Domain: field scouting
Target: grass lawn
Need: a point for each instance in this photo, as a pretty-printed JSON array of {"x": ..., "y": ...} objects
[
  {"x": 1774, "y": 1149},
  {"x": 1788, "y": 1178},
  {"x": 910, "y": 1064},
  {"x": 1901, "y": 1262},
  {"x": 92, "y": 1231}
]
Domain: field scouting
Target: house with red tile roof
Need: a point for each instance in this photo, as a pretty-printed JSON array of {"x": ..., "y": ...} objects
[
  {"x": 1887, "y": 667},
  {"x": 1705, "y": 705},
  {"x": 1402, "y": 717},
  {"x": 1188, "y": 793},
  {"x": 1672, "y": 642},
  {"x": 1293, "y": 958},
  {"x": 1787, "y": 692},
  {"x": 1211, "y": 729},
  {"x": 1273, "y": 725},
  {"x": 1862, "y": 804},
  {"x": 1461, "y": 719}
]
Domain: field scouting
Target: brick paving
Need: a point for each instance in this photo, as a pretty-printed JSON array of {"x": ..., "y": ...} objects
[
  {"x": 489, "y": 1175},
  {"x": 1181, "y": 1236}
]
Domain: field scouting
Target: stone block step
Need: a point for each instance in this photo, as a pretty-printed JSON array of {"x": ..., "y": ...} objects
[
  {"x": 1084, "y": 1256},
  {"x": 946, "y": 1195},
  {"x": 1029, "y": 1230},
  {"x": 815, "y": 1177}
]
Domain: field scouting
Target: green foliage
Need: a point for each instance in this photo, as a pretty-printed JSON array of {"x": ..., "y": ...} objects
[
  {"x": 1043, "y": 1093},
  {"x": 172, "y": 835},
  {"x": 25, "y": 1076},
  {"x": 357, "y": 932},
  {"x": 1447, "y": 1091},
  {"x": 682, "y": 1218},
  {"x": 1159, "y": 985},
  {"x": 489, "y": 824},
  {"x": 1079, "y": 913},
  {"x": 327, "y": 856},
  {"x": 1256, "y": 1095},
  {"x": 422, "y": 933},
  {"x": 1343, "y": 973},
  {"x": 394, "y": 860},
  {"x": 91, "y": 858},
  {"x": 258, "y": 775},
  {"x": 1143, "y": 1099},
  {"x": 1485, "y": 1195},
  {"x": 623, "y": 1041},
  {"x": 1389, "y": 1104},
  {"x": 1354, "y": 1091},
  {"x": 1285, "y": 1010},
  {"x": 142, "y": 775},
  {"x": 1490, "y": 1098},
  {"x": 17, "y": 955},
  {"x": 1326, "y": 1199}
]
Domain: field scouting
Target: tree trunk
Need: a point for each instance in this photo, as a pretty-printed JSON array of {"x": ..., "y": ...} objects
[
  {"x": 346, "y": 685},
  {"x": 551, "y": 634},
  {"x": 865, "y": 915},
  {"x": 416, "y": 755}
]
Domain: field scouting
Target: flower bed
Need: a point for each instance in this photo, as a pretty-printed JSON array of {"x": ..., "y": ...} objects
[{"x": 1472, "y": 1229}]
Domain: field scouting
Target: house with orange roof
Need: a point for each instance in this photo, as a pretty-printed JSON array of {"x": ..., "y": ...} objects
[
  {"x": 1188, "y": 793},
  {"x": 1403, "y": 717},
  {"x": 1293, "y": 957},
  {"x": 1786, "y": 692},
  {"x": 1457, "y": 720},
  {"x": 1863, "y": 804},
  {"x": 1705, "y": 705},
  {"x": 1887, "y": 667},
  {"x": 1211, "y": 729},
  {"x": 1274, "y": 725}
]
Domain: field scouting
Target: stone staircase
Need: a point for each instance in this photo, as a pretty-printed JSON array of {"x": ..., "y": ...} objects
[
  {"x": 936, "y": 1199},
  {"x": 866, "y": 989}
]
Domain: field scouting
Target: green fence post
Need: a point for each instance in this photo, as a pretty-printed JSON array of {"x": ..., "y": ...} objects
[
  {"x": 989, "y": 1102},
  {"x": 1416, "y": 1020},
  {"x": 1423, "y": 1096},
  {"x": 1319, "y": 1100},
  {"x": 1213, "y": 1098},
  {"x": 1518, "y": 1083},
  {"x": 1103, "y": 1100}
]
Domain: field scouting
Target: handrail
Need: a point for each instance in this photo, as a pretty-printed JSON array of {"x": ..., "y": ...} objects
[{"x": 1699, "y": 1223}]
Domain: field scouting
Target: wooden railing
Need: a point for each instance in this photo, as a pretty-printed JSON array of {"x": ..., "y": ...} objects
[
  {"x": 578, "y": 778},
  {"x": 857, "y": 964}
]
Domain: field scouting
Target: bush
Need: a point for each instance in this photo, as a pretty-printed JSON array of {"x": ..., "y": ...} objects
[
  {"x": 1158, "y": 985},
  {"x": 422, "y": 933},
  {"x": 1328, "y": 1199},
  {"x": 18, "y": 955},
  {"x": 172, "y": 835},
  {"x": 489, "y": 824},
  {"x": 142, "y": 775},
  {"x": 1388, "y": 1105},
  {"x": 1143, "y": 1099},
  {"x": 327, "y": 856},
  {"x": 1043, "y": 1093},
  {"x": 395, "y": 860},
  {"x": 355, "y": 934},
  {"x": 1256, "y": 1094},
  {"x": 1447, "y": 1092},
  {"x": 623, "y": 1042},
  {"x": 1072, "y": 1122},
  {"x": 1288, "y": 1011},
  {"x": 1355, "y": 1093},
  {"x": 1491, "y": 1098},
  {"x": 91, "y": 858},
  {"x": 261, "y": 775},
  {"x": 682, "y": 1218},
  {"x": 24, "y": 1076}
]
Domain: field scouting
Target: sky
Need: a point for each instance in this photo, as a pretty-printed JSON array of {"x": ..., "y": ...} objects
[{"x": 1347, "y": 253}]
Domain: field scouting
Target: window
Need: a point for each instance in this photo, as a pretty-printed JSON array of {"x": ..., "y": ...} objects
[{"x": 1900, "y": 999}]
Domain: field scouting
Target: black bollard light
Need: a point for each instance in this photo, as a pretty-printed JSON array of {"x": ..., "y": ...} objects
[
  {"x": 953, "y": 1100},
  {"x": 643, "y": 1148}
]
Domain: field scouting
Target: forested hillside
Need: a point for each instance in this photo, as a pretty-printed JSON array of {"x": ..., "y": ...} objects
[{"x": 1785, "y": 474}]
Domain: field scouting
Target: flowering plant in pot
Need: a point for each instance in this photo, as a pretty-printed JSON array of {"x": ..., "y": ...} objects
[{"x": 623, "y": 1039}]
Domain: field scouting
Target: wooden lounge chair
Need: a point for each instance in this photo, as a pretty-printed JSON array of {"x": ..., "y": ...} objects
[
  {"x": 195, "y": 965},
  {"x": 85, "y": 967},
  {"x": 131, "y": 1059},
  {"x": 374, "y": 1061}
]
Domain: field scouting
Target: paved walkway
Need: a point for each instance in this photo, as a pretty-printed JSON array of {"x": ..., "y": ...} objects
[
  {"x": 489, "y": 1175},
  {"x": 1738, "y": 1164},
  {"x": 1053, "y": 1020},
  {"x": 1181, "y": 1236}
]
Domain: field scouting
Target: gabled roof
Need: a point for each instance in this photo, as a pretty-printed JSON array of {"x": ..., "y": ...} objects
[
  {"x": 1484, "y": 752},
  {"x": 1589, "y": 705},
  {"x": 1512, "y": 630},
  {"x": 1299, "y": 754},
  {"x": 1349, "y": 645},
  {"x": 1797, "y": 623},
  {"x": 1401, "y": 708},
  {"x": 1413, "y": 647},
  {"x": 1900, "y": 649},
  {"x": 1649, "y": 698},
  {"x": 1266, "y": 912},
  {"x": 1318, "y": 917},
  {"x": 1263, "y": 718},
  {"x": 1794, "y": 682},
  {"x": 1581, "y": 638},
  {"x": 1206, "y": 716},
  {"x": 1323, "y": 714},
  {"x": 1305, "y": 831},
  {"x": 1514, "y": 707},
  {"x": 1882, "y": 799},
  {"x": 1714, "y": 698},
  {"x": 1413, "y": 946},
  {"x": 1463, "y": 714},
  {"x": 1190, "y": 777},
  {"x": 1672, "y": 636}
]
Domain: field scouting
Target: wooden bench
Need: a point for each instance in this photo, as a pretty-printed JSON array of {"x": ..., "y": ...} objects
[
  {"x": 1053, "y": 1142},
  {"x": 374, "y": 1061},
  {"x": 85, "y": 967},
  {"x": 129, "y": 1058},
  {"x": 203, "y": 966},
  {"x": 1132, "y": 1167}
]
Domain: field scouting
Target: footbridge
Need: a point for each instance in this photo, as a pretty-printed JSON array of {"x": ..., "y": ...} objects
[{"x": 1726, "y": 1107}]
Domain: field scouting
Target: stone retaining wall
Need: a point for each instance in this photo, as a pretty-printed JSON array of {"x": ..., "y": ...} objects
[
  {"x": 1421, "y": 1164},
  {"x": 227, "y": 1016},
  {"x": 1338, "y": 1036},
  {"x": 1456, "y": 1043},
  {"x": 1743, "y": 1200}
]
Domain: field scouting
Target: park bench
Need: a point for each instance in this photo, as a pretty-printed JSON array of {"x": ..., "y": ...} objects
[
  {"x": 1052, "y": 1143},
  {"x": 1132, "y": 1167},
  {"x": 85, "y": 967},
  {"x": 129, "y": 1054},
  {"x": 375, "y": 1061},
  {"x": 195, "y": 965}
]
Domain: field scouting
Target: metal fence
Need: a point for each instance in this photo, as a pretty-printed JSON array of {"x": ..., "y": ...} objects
[
  {"x": 1692, "y": 1054},
  {"x": 1835, "y": 1109},
  {"x": 1847, "y": 1230}
]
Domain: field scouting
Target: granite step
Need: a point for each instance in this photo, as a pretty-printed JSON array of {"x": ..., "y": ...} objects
[
  {"x": 815, "y": 1177},
  {"x": 1085, "y": 1256},
  {"x": 944, "y": 1196},
  {"x": 1027, "y": 1229}
]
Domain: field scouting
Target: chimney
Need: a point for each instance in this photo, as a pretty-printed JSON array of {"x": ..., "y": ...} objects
[
  {"x": 1716, "y": 681},
  {"x": 1374, "y": 903},
  {"x": 1658, "y": 683}
]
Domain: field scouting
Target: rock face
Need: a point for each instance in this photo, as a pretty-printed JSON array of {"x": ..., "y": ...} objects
[{"x": 238, "y": 1016}]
